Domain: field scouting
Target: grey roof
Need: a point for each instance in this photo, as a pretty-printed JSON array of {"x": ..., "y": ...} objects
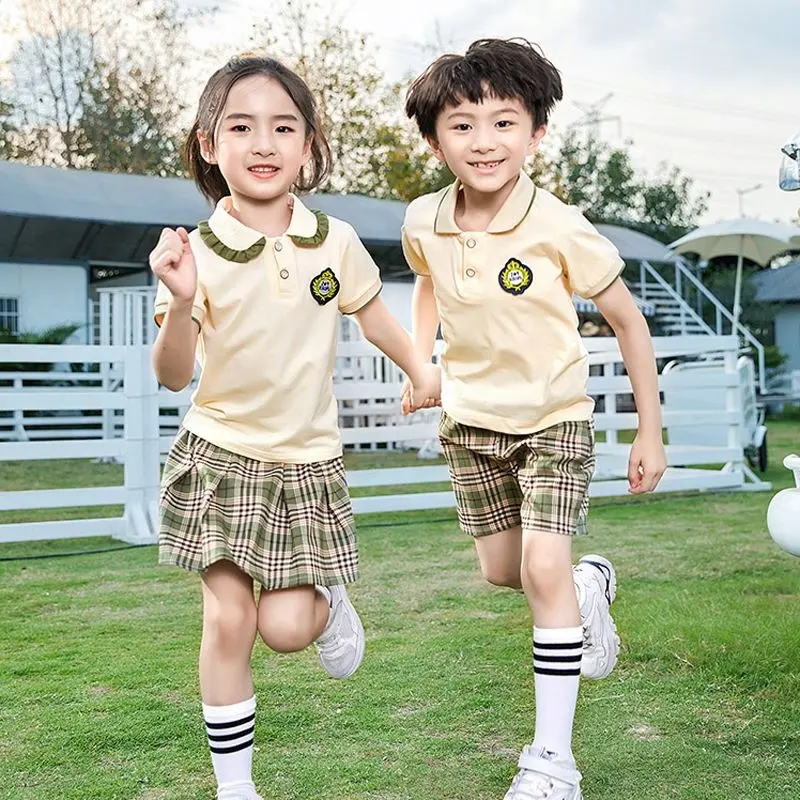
[
  {"x": 636, "y": 246},
  {"x": 27, "y": 191},
  {"x": 62, "y": 214},
  {"x": 781, "y": 285},
  {"x": 51, "y": 214}
]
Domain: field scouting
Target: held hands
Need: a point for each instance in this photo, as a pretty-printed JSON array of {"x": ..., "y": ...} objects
[
  {"x": 174, "y": 265},
  {"x": 426, "y": 392},
  {"x": 646, "y": 463}
]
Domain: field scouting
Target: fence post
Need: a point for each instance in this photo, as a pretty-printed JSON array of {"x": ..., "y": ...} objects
[
  {"x": 142, "y": 458},
  {"x": 733, "y": 403},
  {"x": 609, "y": 371},
  {"x": 19, "y": 416}
]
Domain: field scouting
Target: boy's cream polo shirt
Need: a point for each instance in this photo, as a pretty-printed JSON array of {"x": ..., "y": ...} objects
[
  {"x": 268, "y": 333},
  {"x": 513, "y": 359}
]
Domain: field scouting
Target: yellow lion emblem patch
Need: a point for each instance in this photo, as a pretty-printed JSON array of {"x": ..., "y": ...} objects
[
  {"x": 515, "y": 277},
  {"x": 324, "y": 287}
]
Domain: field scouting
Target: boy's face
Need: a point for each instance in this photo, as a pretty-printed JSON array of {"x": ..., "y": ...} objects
[{"x": 485, "y": 144}]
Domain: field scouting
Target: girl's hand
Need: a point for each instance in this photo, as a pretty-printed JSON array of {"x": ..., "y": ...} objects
[
  {"x": 173, "y": 264},
  {"x": 646, "y": 463},
  {"x": 425, "y": 393}
]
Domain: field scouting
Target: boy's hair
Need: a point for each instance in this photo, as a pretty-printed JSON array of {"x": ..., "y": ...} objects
[
  {"x": 207, "y": 176},
  {"x": 502, "y": 68}
]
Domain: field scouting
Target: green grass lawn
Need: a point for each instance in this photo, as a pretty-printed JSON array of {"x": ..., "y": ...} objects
[{"x": 98, "y": 685}]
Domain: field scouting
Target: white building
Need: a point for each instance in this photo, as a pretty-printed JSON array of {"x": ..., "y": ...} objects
[{"x": 65, "y": 234}]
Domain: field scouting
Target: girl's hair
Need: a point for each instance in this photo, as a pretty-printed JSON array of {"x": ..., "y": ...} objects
[
  {"x": 207, "y": 176},
  {"x": 502, "y": 68}
]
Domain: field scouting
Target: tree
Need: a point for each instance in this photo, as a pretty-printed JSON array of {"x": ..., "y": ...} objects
[
  {"x": 402, "y": 168},
  {"x": 669, "y": 206},
  {"x": 12, "y": 145},
  {"x": 127, "y": 124},
  {"x": 603, "y": 182},
  {"x": 720, "y": 278},
  {"x": 100, "y": 83},
  {"x": 588, "y": 173},
  {"x": 361, "y": 112}
]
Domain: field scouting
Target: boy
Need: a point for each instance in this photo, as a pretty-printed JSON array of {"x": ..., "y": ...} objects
[{"x": 497, "y": 261}]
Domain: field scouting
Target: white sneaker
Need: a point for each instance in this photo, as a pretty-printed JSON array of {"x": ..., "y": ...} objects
[
  {"x": 238, "y": 793},
  {"x": 544, "y": 776},
  {"x": 341, "y": 645},
  {"x": 596, "y": 585}
]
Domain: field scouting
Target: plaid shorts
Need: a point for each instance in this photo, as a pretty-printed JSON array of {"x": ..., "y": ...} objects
[
  {"x": 283, "y": 524},
  {"x": 538, "y": 480}
]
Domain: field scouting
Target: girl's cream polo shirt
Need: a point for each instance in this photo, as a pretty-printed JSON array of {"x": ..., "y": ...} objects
[
  {"x": 513, "y": 359},
  {"x": 268, "y": 314}
]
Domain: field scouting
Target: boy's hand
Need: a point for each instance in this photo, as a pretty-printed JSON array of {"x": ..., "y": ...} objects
[
  {"x": 174, "y": 265},
  {"x": 646, "y": 463},
  {"x": 425, "y": 393}
]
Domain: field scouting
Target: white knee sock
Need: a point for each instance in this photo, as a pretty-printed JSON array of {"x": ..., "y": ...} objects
[
  {"x": 230, "y": 737},
  {"x": 557, "y": 672}
]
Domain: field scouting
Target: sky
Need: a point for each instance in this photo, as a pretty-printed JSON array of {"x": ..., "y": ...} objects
[{"x": 710, "y": 86}]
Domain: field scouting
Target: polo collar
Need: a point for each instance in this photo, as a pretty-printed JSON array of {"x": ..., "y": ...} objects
[
  {"x": 235, "y": 241},
  {"x": 510, "y": 215}
]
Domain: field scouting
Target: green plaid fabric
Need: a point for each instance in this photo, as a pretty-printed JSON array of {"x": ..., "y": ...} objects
[
  {"x": 283, "y": 524},
  {"x": 539, "y": 481}
]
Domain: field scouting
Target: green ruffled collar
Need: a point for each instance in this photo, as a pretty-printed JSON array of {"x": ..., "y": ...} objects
[{"x": 215, "y": 244}]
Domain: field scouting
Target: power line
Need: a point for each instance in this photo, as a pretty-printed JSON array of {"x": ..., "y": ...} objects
[{"x": 750, "y": 112}]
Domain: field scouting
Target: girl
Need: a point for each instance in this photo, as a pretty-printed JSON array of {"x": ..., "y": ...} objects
[{"x": 253, "y": 490}]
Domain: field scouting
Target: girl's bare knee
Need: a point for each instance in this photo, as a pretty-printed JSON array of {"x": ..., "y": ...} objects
[
  {"x": 286, "y": 634},
  {"x": 287, "y": 619},
  {"x": 230, "y": 628}
]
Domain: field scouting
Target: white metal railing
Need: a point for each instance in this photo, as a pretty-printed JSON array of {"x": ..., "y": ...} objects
[{"x": 684, "y": 279}]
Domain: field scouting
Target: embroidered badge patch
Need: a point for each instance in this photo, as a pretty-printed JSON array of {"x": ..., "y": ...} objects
[
  {"x": 324, "y": 287},
  {"x": 515, "y": 277}
]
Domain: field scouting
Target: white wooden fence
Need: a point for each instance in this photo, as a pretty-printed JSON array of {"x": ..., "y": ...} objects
[
  {"x": 137, "y": 448},
  {"x": 368, "y": 389}
]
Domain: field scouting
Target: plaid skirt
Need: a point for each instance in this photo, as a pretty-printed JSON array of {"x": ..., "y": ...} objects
[{"x": 284, "y": 525}]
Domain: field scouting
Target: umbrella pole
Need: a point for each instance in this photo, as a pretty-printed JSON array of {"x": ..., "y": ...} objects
[{"x": 737, "y": 292}]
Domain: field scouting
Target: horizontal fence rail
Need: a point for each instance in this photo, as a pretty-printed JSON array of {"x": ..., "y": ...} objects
[{"x": 102, "y": 402}]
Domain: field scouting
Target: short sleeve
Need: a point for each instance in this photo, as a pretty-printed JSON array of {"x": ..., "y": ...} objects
[
  {"x": 163, "y": 296},
  {"x": 592, "y": 263},
  {"x": 413, "y": 253},
  {"x": 360, "y": 277}
]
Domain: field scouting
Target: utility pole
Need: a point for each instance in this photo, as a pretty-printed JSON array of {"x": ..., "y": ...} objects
[
  {"x": 592, "y": 116},
  {"x": 743, "y": 192}
]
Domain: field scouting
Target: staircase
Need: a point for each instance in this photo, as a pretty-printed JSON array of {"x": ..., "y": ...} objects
[
  {"x": 685, "y": 307},
  {"x": 675, "y": 316}
]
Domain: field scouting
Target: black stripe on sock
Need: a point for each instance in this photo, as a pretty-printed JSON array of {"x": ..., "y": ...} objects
[
  {"x": 229, "y": 737},
  {"x": 232, "y": 724},
  {"x": 558, "y": 645},
  {"x": 559, "y": 659},
  {"x": 234, "y": 749},
  {"x": 564, "y": 672}
]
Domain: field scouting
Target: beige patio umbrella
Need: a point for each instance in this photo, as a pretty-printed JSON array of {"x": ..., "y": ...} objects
[{"x": 754, "y": 239}]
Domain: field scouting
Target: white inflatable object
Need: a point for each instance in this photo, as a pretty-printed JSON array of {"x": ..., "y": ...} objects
[{"x": 783, "y": 514}]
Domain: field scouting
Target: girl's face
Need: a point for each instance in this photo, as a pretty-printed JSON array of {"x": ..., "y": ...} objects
[{"x": 260, "y": 143}]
